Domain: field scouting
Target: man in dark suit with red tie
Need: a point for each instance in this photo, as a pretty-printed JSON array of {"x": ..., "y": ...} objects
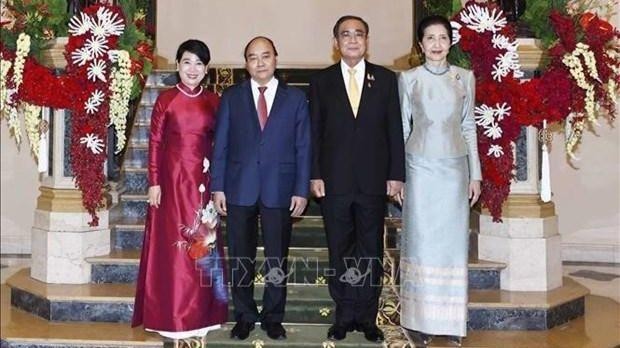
[
  {"x": 357, "y": 159},
  {"x": 261, "y": 167}
]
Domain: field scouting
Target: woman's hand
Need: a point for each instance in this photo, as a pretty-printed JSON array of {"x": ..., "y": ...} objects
[
  {"x": 474, "y": 192},
  {"x": 154, "y": 196}
]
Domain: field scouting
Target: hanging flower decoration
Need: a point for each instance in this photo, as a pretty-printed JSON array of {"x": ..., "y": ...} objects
[
  {"x": 577, "y": 87},
  {"x": 106, "y": 64}
]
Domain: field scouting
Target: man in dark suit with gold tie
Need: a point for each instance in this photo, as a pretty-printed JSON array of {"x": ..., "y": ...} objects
[{"x": 357, "y": 159}]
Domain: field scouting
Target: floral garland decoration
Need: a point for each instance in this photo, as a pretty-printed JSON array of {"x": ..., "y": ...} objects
[
  {"x": 9, "y": 97},
  {"x": 106, "y": 65},
  {"x": 120, "y": 86},
  {"x": 93, "y": 33},
  {"x": 577, "y": 86}
]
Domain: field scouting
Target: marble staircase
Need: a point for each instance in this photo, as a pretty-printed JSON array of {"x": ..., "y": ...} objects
[{"x": 107, "y": 302}]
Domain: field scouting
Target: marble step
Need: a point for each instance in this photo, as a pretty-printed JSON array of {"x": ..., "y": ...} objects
[
  {"x": 306, "y": 266},
  {"x": 140, "y": 133},
  {"x": 488, "y": 309},
  {"x": 134, "y": 205},
  {"x": 136, "y": 155}
]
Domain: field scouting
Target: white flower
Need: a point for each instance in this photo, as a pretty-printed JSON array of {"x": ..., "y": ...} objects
[
  {"x": 97, "y": 46},
  {"x": 120, "y": 88},
  {"x": 92, "y": 142},
  {"x": 208, "y": 215},
  {"x": 96, "y": 70},
  {"x": 493, "y": 131},
  {"x": 501, "y": 111},
  {"x": 79, "y": 26},
  {"x": 95, "y": 99},
  {"x": 32, "y": 118},
  {"x": 107, "y": 23},
  {"x": 507, "y": 61},
  {"x": 496, "y": 151},
  {"x": 205, "y": 165},
  {"x": 484, "y": 115},
  {"x": 202, "y": 188},
  {"x": 456, "y": 34},
  {"x": 479, "y": 19},
  {"x": 81, "y": 56},
  {"x": 502, "y": 42}
]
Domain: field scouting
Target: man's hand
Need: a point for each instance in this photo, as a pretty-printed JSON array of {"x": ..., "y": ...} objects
[
  {"x": 317, "y": 187},
  {"x": 298, "y": 204},
  {"x": 394, "y": 189},
  {"x": 219, "y": 200},
  {"x": 474, "y": 192},
  {"x": 154, "y": 196}
]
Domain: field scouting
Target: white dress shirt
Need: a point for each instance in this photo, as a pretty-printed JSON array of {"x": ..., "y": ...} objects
[
  {"x": 360, "y": 69},
  {"x": 270, "y": 92}
]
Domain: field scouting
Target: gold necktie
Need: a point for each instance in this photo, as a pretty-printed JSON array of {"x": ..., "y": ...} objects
[{"x": 354, "y": 92}]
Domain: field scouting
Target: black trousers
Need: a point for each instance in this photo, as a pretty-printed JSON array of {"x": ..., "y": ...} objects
[
  {"x": 242, "y": 236},
  {"x": 354, "y": 227}
]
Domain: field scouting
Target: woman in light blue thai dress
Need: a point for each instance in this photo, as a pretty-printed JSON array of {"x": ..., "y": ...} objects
[{"x": 443, "y": 181}]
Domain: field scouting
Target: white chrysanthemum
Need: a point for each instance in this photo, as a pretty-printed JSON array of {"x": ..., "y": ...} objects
[
  {"x": 480, "y": 19},
  {"x": 503, "y": 42},
  {"x": 79, "y": 25},
  {"x": 107, "y": 23},
  {"x": 97, "y": 45},
  {"x": 93, "y": 102},
  {"x": 502, "y": 111},
  {"x": 506, "y": 62},
  {"x": 93, "y": 142},
  {"x": 456, "y": 33},
  {"x": 81, "y": 56},
  {"x": 96, "y": 70},
  {"x": 495, "y": 151},
  {"x": 493, "y": 131},
  {"x": 484, "y": 115}
]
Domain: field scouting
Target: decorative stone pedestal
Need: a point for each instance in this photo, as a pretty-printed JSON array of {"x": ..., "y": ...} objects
[
  {"x": 527, "y": 241},
  {"x": 62, "y": 239},
  {"x": 61, "y": 236}
]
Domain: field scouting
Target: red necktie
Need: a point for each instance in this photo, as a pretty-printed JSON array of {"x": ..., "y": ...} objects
[{"x": 261, "y": 108}]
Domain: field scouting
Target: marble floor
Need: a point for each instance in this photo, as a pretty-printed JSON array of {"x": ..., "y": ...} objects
[{"x": 599, "y": 328}]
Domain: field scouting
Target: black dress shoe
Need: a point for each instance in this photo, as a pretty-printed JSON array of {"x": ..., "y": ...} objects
[
  {"x": 337, "y": 332},
  {"x": 275, "y": 331},
  {"x": 373, "y": 333},
  {"x": 241, "y": 330}
]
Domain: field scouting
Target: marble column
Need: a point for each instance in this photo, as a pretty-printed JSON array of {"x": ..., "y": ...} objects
[
  {"x": 528, "y": 240},
  {"x": 61, "y": 237}
]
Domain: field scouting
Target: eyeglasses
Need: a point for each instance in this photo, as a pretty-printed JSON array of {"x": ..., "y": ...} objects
[{"x": 350, "y": 35}]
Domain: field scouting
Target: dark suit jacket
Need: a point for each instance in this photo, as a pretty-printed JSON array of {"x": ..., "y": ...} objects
[
  {"x": 273, "y": 164},
  {"x": 356, "y": 154}
]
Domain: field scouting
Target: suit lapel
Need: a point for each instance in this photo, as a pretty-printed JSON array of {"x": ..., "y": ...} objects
[
  {"x": 279, "y": 99},
  {"x": 340, "y": 90},
  {"x": 249, "y": 101},
  {"x": 369, "y": 78}
]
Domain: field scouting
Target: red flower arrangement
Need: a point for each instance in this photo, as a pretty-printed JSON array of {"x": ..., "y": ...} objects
[
  {"x": 84, "y": 89},
  {"x": 505, "y": 103}
]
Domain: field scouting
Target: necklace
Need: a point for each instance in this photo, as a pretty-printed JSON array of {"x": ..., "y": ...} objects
[
  {"x": 438, "y": 73},
  {"x": 187, "y": 94}
]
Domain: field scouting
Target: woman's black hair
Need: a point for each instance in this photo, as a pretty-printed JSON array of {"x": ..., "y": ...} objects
[
  {"x": 432, "y": 20},
  {"x": 197, "y": 47}
]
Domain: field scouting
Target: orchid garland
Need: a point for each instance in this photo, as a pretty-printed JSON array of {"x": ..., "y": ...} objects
[
  {"x": 32, "y": 120},
  {"x": 120, "y": 86},
  {"x": 10, "y": 102}
]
